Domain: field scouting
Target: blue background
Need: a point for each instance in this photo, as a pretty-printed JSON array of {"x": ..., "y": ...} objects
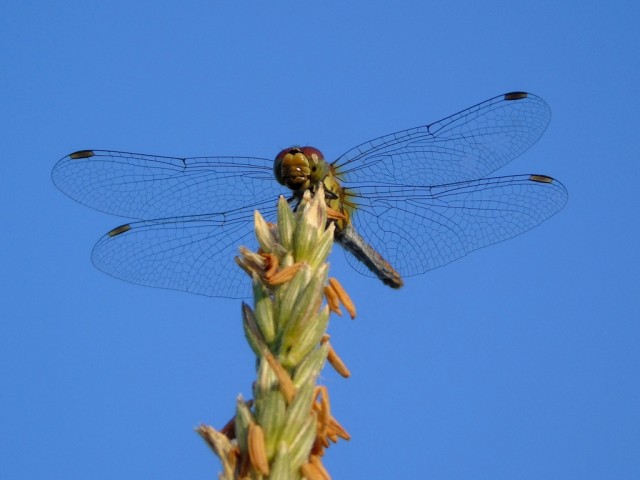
[{"x": 518, "y": 361}]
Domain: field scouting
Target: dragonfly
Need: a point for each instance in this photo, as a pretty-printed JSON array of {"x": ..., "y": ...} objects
[{"x": 413, "y": 200}]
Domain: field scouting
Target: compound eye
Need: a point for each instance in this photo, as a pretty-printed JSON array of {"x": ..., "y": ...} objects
[
  {"x": 312, "y": 153},
  {"x": 282, "y": 153},
  {"x": 292, "y": 168}
]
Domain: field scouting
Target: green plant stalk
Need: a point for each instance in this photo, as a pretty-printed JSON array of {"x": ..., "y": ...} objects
[{"x": 284, "y": 330}]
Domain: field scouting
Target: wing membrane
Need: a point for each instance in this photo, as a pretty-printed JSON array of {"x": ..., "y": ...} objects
[
  {"x": 145, "y": 187},
  {"x": 192, "y": 254},
  {"x": 421, "y": 228},
  {"x": 468, "y": 145}
]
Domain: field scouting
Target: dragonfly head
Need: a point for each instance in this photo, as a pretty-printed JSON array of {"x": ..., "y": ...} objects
[{"x": 299, "y": 168}]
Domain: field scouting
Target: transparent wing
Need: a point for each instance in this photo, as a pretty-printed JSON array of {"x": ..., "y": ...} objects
[
  {"x": 146, "y": 186},
  {"x": 467, "y": 145},
  {"x": 192, "y": 254},
  {"x": 421, "y": 228}
]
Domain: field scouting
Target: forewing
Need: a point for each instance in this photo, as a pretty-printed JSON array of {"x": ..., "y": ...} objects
[
  {"x": 192, "y": 254},
  {"x": 421, "y": 228},
  {"x": 468, "y": 145},
  {"x": 146, "y": 186}
]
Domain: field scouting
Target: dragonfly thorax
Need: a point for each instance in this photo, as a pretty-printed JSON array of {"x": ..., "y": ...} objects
[{"x": 299, "y": 168}]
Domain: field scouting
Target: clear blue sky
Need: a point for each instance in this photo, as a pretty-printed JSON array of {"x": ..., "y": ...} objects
[{"x": 518, "y": 361}]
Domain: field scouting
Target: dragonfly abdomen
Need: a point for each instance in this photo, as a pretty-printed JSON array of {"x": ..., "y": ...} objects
[{"x": 365, "y": 253}]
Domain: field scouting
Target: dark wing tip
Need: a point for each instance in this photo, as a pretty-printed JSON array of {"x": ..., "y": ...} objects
[
  {"x": 557, "y": 184},
  {"x": 80, "y": 154},
  {"x": 541, "y": 179},
  {"x": 515, "y": 95},
  {"x": 119, "y": 230}
]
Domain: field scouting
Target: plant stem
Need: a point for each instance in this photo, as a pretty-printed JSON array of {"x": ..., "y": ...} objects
[{"x": 285, "y": 430}]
